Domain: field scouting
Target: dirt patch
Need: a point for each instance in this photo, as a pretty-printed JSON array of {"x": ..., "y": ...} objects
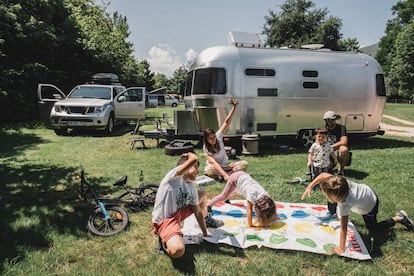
[{"x": 406, "y": 131}]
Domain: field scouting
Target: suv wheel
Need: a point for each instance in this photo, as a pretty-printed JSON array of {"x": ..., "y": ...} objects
[
  {"x": 61, "y": 131},
  {"x": 110, "y": 126}
]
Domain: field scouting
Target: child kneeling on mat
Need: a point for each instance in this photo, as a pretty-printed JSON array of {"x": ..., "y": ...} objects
[{"x": 358, "y": 198}]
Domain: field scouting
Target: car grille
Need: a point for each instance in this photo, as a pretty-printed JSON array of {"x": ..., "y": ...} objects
[{"x": 79, "y": 109}]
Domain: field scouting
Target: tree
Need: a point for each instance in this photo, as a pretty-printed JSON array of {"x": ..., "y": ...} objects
[
  {"x": 145, "y": 74},
  {"x": 177, "y": 81},
  {"x": 160, "y": 80},
  {"x": 397, "y": 34},
  {"x": 349, "y": 44},
  {"x": 58, "y": 41},
  {"x": 298, "y": 23},
  {"x": 401, "y": 73}
]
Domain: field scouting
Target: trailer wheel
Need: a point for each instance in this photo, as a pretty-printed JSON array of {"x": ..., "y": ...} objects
[
  {"x": 306, "y": 137},
  {"x": 177, "y": 147}
]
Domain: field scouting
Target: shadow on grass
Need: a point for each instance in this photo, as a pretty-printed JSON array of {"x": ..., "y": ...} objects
[
  {"x": 38, "y": 201},
  {"x": 186, "y": 264},
  {"x": 14, "y": 141},
  {"x": 376, "y": 241},
  {"x": 290, "y": 147}
]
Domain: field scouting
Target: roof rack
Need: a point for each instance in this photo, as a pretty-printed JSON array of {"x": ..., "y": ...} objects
[{"x": 105, "y": 78}]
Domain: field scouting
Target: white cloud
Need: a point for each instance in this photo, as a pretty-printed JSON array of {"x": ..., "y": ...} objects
[
  {"x": 190, "y": 55},
  {"x": 163, "y": 59}
]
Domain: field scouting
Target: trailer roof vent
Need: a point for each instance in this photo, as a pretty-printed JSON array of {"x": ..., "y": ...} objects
[
  {"x": 312, "y": 46},
  {"x": 244, "y": 39}
]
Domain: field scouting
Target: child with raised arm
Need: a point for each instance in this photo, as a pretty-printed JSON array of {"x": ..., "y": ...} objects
[
  {"x": 358, "y": 198},
  {"x": 242, "y": 183},
  {"x": 217, "y": 161},
  {"x": 176, "y": 199}
]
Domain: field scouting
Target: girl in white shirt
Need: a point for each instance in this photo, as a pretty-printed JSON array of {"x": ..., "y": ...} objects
[
  {"x": 358, "y": 198},
  {"x": 241, "y": 183},
  {"x": 217, "y": 161}
]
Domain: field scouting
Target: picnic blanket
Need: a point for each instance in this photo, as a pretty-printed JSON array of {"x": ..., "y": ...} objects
[{"x": 298, "y": 229}]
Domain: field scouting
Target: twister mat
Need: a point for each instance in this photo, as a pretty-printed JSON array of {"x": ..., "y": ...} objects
[{"x": 298, "y": 229}]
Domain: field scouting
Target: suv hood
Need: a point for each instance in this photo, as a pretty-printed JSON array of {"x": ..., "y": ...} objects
[{"x": 83, "y": 102}]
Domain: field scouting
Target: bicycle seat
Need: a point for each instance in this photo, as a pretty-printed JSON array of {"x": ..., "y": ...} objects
[{"x": 121, "y": 181}]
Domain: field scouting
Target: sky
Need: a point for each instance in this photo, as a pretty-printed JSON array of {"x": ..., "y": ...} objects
[{"x": 169, "y": 34}]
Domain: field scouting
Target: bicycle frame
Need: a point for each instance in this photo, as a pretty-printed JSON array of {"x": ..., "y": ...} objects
[{"x": 108, "y": 218}]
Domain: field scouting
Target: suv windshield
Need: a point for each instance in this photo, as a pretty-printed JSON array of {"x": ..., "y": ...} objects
[{"x": 91, "y": 92}]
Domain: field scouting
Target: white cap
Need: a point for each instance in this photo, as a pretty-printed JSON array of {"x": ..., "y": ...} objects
[{"x": 330, "y": 115}]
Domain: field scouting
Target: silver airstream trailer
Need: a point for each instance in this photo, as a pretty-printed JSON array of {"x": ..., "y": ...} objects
[{"x": 281, "y": 92}]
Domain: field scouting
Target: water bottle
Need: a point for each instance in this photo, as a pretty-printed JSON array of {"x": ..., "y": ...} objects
[{"x": 141, "y": 176}]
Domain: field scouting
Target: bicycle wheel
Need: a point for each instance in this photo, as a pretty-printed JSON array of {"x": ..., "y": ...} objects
[
  {"x": 132, "y": 200},
  {"x": 118, "y": 221},
  {"x": 147, "y": 193}
]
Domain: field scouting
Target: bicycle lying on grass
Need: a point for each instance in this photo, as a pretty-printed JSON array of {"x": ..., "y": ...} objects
[
  {"x": 108, "y": 217},
  {"x": 137, "y": 199}
]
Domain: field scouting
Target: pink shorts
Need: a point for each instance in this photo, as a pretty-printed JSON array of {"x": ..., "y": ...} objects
[{"x": 171, "y": 226}]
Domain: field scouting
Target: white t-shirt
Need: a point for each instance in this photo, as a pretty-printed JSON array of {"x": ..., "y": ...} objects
[
  {"x": 361, "y": 200},
  {"x": 246, "y": 186},
  {"x": 173, "y": 194},
  {"x": 320, "y": 154},
  {"x": 221, "y": 157}
]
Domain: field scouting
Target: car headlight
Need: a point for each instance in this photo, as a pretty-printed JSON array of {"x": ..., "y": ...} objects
[
  {"x": 99, "y": 109},
  {"x": 58, "y": 108}
]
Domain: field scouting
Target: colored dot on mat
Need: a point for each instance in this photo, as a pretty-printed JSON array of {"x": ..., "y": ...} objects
[
  {"x": 319, "y": 208},
  {"x": 235, "y": 213},
  {"x": 306, "y": 242},
  {"x": 216, "y": 213},
  {"x": 232, "y": 222},
  {"x": 282, "y": 216},
  {"x": 253, "y": 237},
  {"x": 277, "y": 239},
  {"x": 299, "y": 214},
  {"x": 304, "y": 227},
  {"x": 328, "y": 229},
  {"x": 328, "y": 247},
  {"x": 297, "y": 206},
  {"x": 278, "y": 225},
  {"x": 280, "y": 206}
]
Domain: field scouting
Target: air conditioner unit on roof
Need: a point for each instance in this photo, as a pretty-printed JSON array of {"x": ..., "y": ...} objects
[{"x": 244, "y": 39}]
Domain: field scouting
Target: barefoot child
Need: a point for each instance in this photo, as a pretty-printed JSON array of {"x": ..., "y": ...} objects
[
  {"x": 176, "y": 199},
  {"x": 242, "y": 183}
]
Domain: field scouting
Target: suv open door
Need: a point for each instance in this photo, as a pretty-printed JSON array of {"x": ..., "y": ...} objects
[
  {"x": 130, "y": 104},
  {"x": 47, "y": 95}
]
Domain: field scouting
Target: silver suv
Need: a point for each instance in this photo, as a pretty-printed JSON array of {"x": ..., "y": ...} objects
[{"x": 97, "y": 105}]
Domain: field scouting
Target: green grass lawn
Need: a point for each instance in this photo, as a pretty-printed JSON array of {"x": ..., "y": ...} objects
[{"x": 43, "y": 221}]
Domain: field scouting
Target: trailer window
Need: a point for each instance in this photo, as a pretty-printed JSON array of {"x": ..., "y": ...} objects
[
  {"x": 267, "y": 92},
  {"x": 210, "y": 81},
  {"x": 260, "y": 72},
  {"x": 188, "y": 83},
  {"x": 380, "y": 85},
  {"x": 310, "y": 85},
  {"x": 310, "y": 74}
]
